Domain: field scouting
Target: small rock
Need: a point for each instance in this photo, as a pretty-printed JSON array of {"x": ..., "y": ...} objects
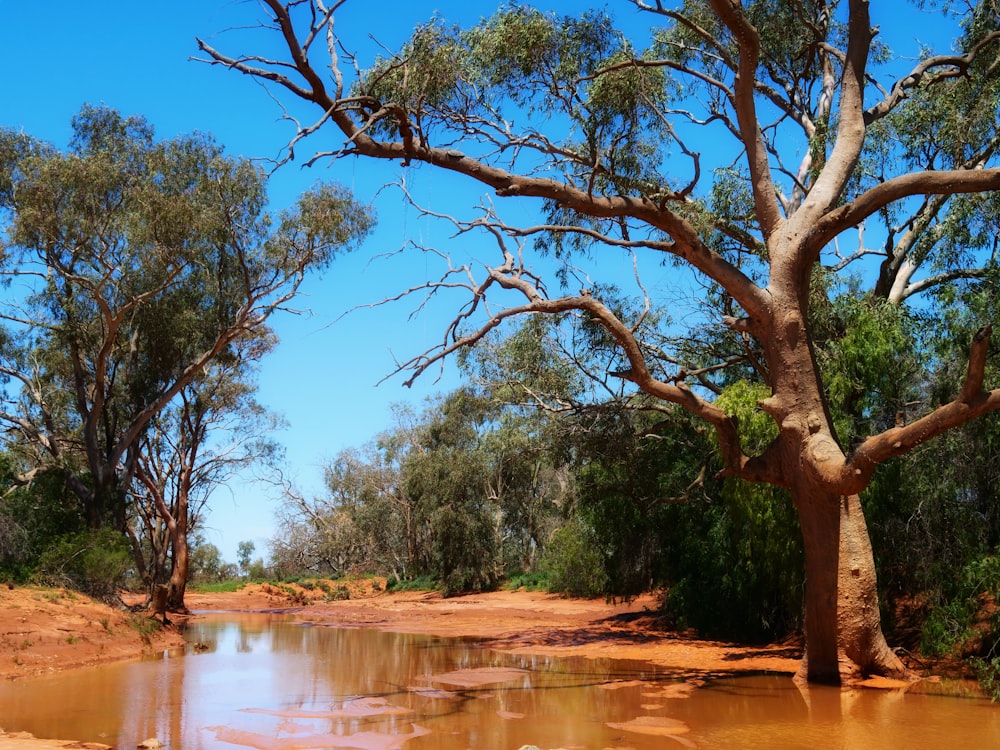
[{"x": 150, "y": 744}]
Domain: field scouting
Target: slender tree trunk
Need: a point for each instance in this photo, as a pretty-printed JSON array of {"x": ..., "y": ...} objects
[
  {"x": 180, "y": 568},
  {"x": 844, "y": 639}
]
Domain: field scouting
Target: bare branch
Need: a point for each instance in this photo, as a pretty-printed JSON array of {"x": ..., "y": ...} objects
[
  {"x": 942, "y": 182},
  {"x": 934, "y": 69}
]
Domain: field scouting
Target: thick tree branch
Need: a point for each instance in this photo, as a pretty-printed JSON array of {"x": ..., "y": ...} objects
[
  {"x": 915, "y": 183},
  {"x": 830, "y": 183}
]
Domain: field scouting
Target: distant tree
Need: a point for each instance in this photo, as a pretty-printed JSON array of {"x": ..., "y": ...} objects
[
  {"x": 365, "y": 521},
  {"x": 244, "y": 553},
  {"x": 447, "y": 475},
  {"x": 752, "y": 143},
  {"x": 132, "y": 265},
  {"x": 205, "y": 560}
]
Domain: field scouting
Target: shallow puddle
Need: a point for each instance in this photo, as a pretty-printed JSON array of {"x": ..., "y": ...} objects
[{"x": 266, "y": 681}]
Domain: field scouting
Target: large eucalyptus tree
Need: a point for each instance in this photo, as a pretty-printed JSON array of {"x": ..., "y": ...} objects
[
  {"x": 749, "y": 142},
  {"x": 130, "y": 265}
]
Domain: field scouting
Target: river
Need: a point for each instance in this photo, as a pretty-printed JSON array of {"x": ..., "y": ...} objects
[{"x": 269, "y": 681}]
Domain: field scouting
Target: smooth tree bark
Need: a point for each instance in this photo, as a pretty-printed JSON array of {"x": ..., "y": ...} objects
[{"x": 811, "y": 159}]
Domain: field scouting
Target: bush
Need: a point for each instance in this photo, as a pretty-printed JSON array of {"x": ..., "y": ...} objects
[
  {"x": 465, "y": 550},
  {"x": 963, "y": 623},
  {"x": 94, "y": 562},
  {"x": 574, "y": 563},
  {"x": 339, "y": 593},
  {"x": 529, "y": 581},
  {"x": 988, "y": 672},
  {"x": 422, "y": 583},
  {"x": 14, "y": 548}
]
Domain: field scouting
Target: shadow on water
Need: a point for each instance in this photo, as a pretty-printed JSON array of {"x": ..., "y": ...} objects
[{"x": 266, "y": 681}]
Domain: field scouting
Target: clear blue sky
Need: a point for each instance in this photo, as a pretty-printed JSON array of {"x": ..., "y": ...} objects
[{"x": 134, "y": 56}]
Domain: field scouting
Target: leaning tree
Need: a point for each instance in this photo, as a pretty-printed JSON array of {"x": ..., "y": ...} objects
[{"x": 749, "y": 142}]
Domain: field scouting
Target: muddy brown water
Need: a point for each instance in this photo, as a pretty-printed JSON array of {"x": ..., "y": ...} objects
[{"x": 266, "y": 681}]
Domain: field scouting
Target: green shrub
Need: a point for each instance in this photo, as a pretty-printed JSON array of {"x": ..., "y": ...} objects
[
  {"x": 146, "y": 627},
  {"x": 574, "y": 563},
  {"x": 988, "y": 672},
  {"x": 94, "y": 562},
  {"x": 539, "y": 581},
  {"x": 218, "y": 587},
  {"x": 465, "y": 550},
  {"x": 958, "y": 623},
  {"x": 422, "y": 583},
  {"x": 339, "y": 593}
]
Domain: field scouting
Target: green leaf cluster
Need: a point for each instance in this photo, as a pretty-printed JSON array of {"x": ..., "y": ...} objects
[{"x": 868, "y": 352}]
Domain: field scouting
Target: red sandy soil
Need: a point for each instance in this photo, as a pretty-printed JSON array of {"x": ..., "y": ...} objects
[{"x": 45, "y": 630}]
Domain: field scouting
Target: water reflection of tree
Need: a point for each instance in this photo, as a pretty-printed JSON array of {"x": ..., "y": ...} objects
[{"x": 401, "y": 668}]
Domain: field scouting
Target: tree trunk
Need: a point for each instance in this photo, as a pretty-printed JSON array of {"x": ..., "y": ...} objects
[
  {"x": 844, "y": 640},
  {"x": 177, "y": 586},
  {"x": 180, "y": 558}
]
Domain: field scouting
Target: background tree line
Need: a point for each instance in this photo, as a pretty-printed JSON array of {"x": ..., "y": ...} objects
[{"x": 537, "y": 473}]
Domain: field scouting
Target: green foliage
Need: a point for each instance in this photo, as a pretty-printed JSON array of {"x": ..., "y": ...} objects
[
  {"x": 33, "y": 518},
  {"x": 957, "y": 623},
  {"x": 464, "y": 552},
  {"x": 149, "y": 259},
  {"x": 573, "y": 562},
  {"x": 145, "y": 626},
  {"x": 94, "y": 562},
  {"x": 219, "y": 587},
  {"x": 735, "y": 574},
  {"x": 511, "y": 47},
  {"x": 736, "y": 570},
  {"x": 425, "y": 76},
  {"x": 988, "y": 673},
  {"x": 741, "y": 400},
  {"x": 867, "y": 351},
  {"x": 537, "y": 581},
  {"x": 258, "y": 571},
  {"x": 205, "y": 561},
  {"x": 244, "y": 551},
  {"x": 339, "y": 593}
]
